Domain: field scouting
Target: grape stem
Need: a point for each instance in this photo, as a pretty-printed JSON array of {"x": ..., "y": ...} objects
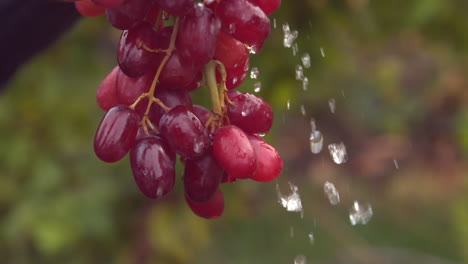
[
  {"x": 150, "y": 93},
  {"x": 210, "y": 76}
]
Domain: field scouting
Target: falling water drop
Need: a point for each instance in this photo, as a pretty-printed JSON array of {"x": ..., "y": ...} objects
[
  {"x": 295, "y": 49},
  {"x": 306, "y": 60},
  {"x": 360, "y": 214},
  {"x": 300, "y": 259},
  {"x": 332, "y": 193},
  {"x": 322, "y": 52},
  {"x": 396, "y": 164},
  {"x": 305, "y": 84},
  {"x": 254, "y": 73},
  {"x": 274, "y": 22},
  {"x": 291, "y": 231},
  {"x": 289, "y": 36},
  {"x": 316, "y": 141},
  {"x": 288, "y": 104},
  {"x": 338, "y": 152},
  {"x": 257, "y": 87},
  {"x": 332, "y": 105},
  {"x": 311, "y": 238},
  {"x": 303, "y": 111},
  {"x": 291, "y": 202},
  {"x": 299, "y": 72}
]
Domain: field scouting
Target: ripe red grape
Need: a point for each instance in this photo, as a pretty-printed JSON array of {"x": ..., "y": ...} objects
[
  {"x": 153, "y": 166},
  {"x": 88, "y": 8},
  {"x": 233, "y": 151},
  {"x": 128, "y": 14},
  {"x": 244, "y": 21},
  {"x": 268, "y": 6},
  {"x": 184, "y": 132},
  {"x": 177, "y": 74},
  {"x": 201, "y": 178},
  {"x": 269, "y": 162},
  {"x": 116, "y": 133},
  {"x": 108, "y": 3},
  {"x": 196, "y": 39},
  {"x": 133, "y": 59},
  {"x": 211, "y": 209},
  {"x": 175, "y": 7},
  {"x": 251, "y": 113},
  {"x": 106, "y": 96},
  {"x": 202, "y": 113}
]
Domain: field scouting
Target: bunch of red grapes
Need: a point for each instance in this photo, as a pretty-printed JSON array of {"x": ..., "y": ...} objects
[{"x": 167, "y": 49}]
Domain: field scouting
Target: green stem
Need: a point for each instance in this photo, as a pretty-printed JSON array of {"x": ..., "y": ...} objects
[{"x": 210, "y": 76}]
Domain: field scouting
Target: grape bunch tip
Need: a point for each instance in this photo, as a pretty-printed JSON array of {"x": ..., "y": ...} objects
[{"x": 167, "y": 49}]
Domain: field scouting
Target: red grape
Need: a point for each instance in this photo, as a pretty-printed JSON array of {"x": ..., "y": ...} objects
[
  {"x": 268, "y": 6},
  {"x": 251, "y": 113},
  {"x": 116, "y": 133},
  {"x": 133, "y": 59},
  {"x": 233, "y": 151},
  {"x": 175, "y": 7},
  {"x": 211, "y": 209},
  {"x": 184, "y": 132},
  {"x": 108, "y": 3},
  {"x": 153, "y": 166},
  {"x": 177, "y": 74},
  {"x": 269, "y": 162},
  {"x": 88, "y": 8},
  {"x": 128, "y": 14},
  {"x": 201, "y": 178},
  {"x": 244, "y": 21},
  {"x": 106, "y": 96},
  {"x": 202, "y": 113},
  {"x": 196, "y": 38}
]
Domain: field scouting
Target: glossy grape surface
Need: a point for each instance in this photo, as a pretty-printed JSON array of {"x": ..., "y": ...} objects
[
  {"x": 211, "y": 209},
  {"x": 201, "y": 178}
]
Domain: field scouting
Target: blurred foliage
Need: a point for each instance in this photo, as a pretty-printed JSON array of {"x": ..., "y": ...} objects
[{"x": 397, "y": 71}]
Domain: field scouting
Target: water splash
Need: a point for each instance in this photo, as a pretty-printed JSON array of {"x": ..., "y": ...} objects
[
  {"x": 305, "y": 84},
  {"x": 338, "y": 152},
  {"x": 322, "y": 52},
  {"x": 331, "y": 192},
  {"x": 254, "y": 73},
  {"x": 306, "y": 60},
  {"x": 303, "y": 111},
  {"x": 295, "y": 49},
  {"x": 360, "y": 214},
  {"x": 299, "y": 72},
  {"x": 316, "y": 141},
  {"x": 332, "y": 105},
  {"x": 300, "y": 259},
  {"x": 291, "y": 202},
  {"x": 257, "y": 87},
  {"x": 289, "y": 36},
  {"x": 311, "y": 238}
]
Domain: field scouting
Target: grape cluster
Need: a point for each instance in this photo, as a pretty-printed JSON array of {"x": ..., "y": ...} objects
[{"x": 167, "y": 49}]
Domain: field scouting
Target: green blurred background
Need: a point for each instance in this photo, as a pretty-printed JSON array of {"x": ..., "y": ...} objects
[{"x": 398, "y": 72}]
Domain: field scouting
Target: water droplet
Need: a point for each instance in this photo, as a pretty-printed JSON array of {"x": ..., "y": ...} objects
[
  {"x": 244, "y": 113},
  {"x": 332, "y": 105},
  {"x": 299, "y": 72},
  {"x": 231, "y": 28},
  {"x": 274, "y": 22},
  {"x": 306, "y": 60},
  {"x": 322, "y": 52},
  {"x": 311, "y": 238},
  {"x": 300, "y": 259},
  {"x": 289, "y": 36},
  {"x": 291, "y": 202},
  {"x": 305, "y": 84},
  {"x": 257, "y": 87},
  {"x": 288, "y": 104},
  {"x": 316, "y": 141},
  {"x": 360, "y": 214},
  {"x": 313, "y": 126},
  {"x": 396, "y": 164},
  {"x": 295, "y": 49},
  {"x": 291, "y": 231},
  {"x": 332, "y": 193},
  {"x": 252, "y": 49},
  {"x": 303, "y": 111},
  {"x": 338, "y": 152},
  {"x": 234, "y": 80},
  {"x": 254, "y": 73}
]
